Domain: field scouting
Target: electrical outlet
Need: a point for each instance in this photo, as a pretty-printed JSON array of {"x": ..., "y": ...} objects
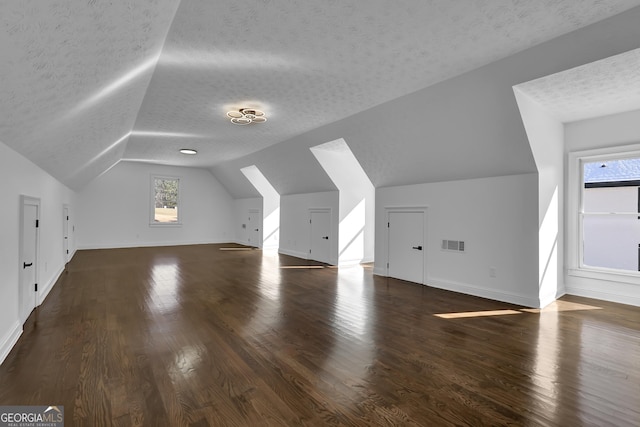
[{"x": 492, "y": 272}]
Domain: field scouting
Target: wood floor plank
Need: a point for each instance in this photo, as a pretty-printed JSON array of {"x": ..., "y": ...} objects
[{"x": 198, "y": 336}]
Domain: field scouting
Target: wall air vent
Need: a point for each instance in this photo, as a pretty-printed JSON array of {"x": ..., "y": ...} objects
[{"x": 453, "y": 245}]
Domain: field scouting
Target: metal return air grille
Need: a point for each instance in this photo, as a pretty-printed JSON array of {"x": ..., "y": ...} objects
[{"x": 453, "y": 245}]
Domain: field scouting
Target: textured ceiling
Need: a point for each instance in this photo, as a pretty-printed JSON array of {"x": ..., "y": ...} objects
[
  {"x": 608, "y": 86},
  {"x": 73, "y": 76},
  {"x": 84, "y": 84}
]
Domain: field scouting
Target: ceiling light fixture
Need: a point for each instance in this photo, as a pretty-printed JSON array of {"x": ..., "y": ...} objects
[
  {"x": 245, "y": 116},
  {"x": 188, "y": 151}
]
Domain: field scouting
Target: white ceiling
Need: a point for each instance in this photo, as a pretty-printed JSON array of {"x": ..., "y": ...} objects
[
  {"x": 84, "y": 84},
  {"x": 607, "y": 86}
]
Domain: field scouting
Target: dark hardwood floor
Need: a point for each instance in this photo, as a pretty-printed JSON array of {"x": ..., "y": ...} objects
[{"x": 199, "y": 336}]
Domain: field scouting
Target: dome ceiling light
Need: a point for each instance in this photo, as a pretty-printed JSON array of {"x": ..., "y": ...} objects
[
  {"x": 246, "y": 116},
  {"x": 189, "y": 151}
]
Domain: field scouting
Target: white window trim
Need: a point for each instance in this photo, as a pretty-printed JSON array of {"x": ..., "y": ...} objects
[
  {"x": 152, "y": 194},
  {"x": 575, "y": 181}
]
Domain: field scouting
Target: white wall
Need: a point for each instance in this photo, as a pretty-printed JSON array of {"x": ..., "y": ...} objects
[
  {"x": 608, "y": 131},
  {"x": 497, "y": 218},
  {"x": 546, "y": 138},
  {"x": 113, "y": 210},
  {"x": 22, "y": 177},
  {"x": 270, "y": 227},
  {"x": 618, "y": 130},
  {"x": 241, "y": 208},
  {"x": 295, "y": 234},
  {"x": 357, "y": 201}
]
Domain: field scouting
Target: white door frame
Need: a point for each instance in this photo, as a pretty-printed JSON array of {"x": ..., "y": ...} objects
[
  {"x": 66, "y": 243},
  {"x": 258, "y": 222},
  {"x": 404, "y": 209},
  {"x": 331, "y": 234},
  {"x": 24, "y": 201}
]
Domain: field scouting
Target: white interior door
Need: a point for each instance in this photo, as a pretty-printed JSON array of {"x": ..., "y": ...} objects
[
  {"x": 406, "y": 246},
  {"x": 320, "y": 223},
  {"x": 28, "y": 259},
  {"x": 65, "y": 232},
  {"x": 254, "y": 222}
]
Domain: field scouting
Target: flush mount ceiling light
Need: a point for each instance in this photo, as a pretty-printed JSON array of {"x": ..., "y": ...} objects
[
  {"x": 188, "y": 151},
  {"x": 245, "y": 116}
]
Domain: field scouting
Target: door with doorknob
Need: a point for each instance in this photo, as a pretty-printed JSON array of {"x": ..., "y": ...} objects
[
  {"x": 28, "y": 257},
  {"x": 406, "y": 254},
  {"x": 320, "y": 224},
  {"x": 254, "y": 222}
]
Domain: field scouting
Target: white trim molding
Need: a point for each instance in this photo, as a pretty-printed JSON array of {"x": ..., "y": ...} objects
[
  {"x": 44, "y": 291},
  {"x": 601, "y": 283},
  {"x": 502, "y": 296},
  {"x": 296, "y": 254},
  {"x": 385, "y": 238},
  {"x": 9, "y": 340}
]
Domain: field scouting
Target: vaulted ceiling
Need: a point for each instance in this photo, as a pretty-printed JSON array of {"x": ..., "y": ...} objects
[{"x": 85, "y": 84}]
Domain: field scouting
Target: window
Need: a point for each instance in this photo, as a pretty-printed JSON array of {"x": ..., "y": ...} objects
[
  {"x": 165, "y": 200},
  {"x": 604, "y": 230},
  {"x": 610, "y": 226}
]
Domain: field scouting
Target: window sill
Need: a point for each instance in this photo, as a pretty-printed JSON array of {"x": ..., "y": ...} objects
[
  {"x": 165, "y": 224},
  {"x": 619, "y": 276}
]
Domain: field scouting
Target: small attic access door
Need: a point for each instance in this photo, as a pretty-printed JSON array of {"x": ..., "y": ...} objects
[
  {"x": 254, "y": 223},
  {"x": 406, "y": 245},
  {"x": 320, "y": 231}
]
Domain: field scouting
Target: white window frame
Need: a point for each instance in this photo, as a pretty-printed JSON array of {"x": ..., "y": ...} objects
[
  {"x": 575, "y": 187},
  {"x": 152, "y": 200}
]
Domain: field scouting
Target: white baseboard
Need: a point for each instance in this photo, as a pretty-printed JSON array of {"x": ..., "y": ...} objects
[
  {"x": 380, "y": 271},
  {"x": 290, "y": 252},
  {"x": 151, "y": 244},
  {"x": 606, "y": 296},
  {"x": 9, "y": 340},
  {"x": 545, "y": 300},
  {"x": 351, "y": 262},
  {"x": 44, "y": 290},
  {"x": 477, "y": 291}
]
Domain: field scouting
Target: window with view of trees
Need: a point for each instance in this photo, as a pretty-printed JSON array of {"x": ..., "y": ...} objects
[{"x": 165, "y": 197}]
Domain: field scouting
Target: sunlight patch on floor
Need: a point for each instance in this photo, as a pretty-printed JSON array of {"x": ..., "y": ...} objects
[
  {"x": 562, "y": 306},
  {"x": 487, "y": 313},
  {"x": 301, "y": 266},
  {"x": 238, "y": 249},
  {"x": 556, "y": 306}
]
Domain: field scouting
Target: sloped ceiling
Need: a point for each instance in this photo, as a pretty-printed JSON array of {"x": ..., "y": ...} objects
[
  {"x": 608, "y": 86},
  {"x": 72, "y": 79},
  {"x": 85, "y": 84}
]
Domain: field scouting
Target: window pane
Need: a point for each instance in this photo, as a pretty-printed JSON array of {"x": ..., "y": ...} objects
[
  {"x": 610, "y": 199},
  {"x": 166, "y": 200},
  {"x": 611, "y": 186},
  {"x": 611, "y": 241},
  {"x": 611, "y": 219}
]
